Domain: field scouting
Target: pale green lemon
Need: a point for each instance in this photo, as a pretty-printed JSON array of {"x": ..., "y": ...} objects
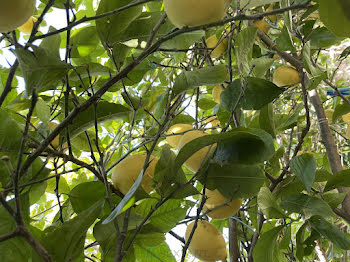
[
  {"x": 14, "y": 13},
  {"x": 195, "y": 12},
  {"x": 207, "y": 243}
]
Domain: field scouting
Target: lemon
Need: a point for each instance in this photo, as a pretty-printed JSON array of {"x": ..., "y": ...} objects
[
  {"x": 273, "y": 18},
  {"x": 126, "y": 172},
  {"x": 216, "y": 93},
  {"x": 329, "y": 114},
  {"x": 213, "y": 120},
  {"x": 215, "y": 199},
  {"x": 195, "y": 12},
  {"x": 346, "y": 117},
  {"x": 14, "y": 13},
  {"x": 285, "y": 76},
  {"x": 347, "y": 134},
  {"x": 219, "y": 49},
  {"x": 207, "y": 243},
  {"x": 175, "y": 129},
  {"x": 56, "y": 141},
  {"x": 27, "y": 27},
  {"x": 195, "y": 161},
  {"x": 262, "y": 26}
]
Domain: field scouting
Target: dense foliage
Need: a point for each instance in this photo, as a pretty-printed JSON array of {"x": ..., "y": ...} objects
[{"x": 109, "y": 79}]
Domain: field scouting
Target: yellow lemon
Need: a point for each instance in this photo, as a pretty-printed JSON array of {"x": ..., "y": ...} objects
[
  {"x": 207, "y": 243},
  {"x": 56, "y": 141},
  {"x": 126, "y": 172},
  {"x": 215, "y": 199},
  {"x": 262, "y": 26},
  {"x": 329, "y": 114},
  {"x": 213, "y": 120},
  {"x": 347, "y": 135},
  {"x": 14, "y": 13},
  {"x": 195, "y": 12},
  {"x": 276, "y": 57},
  {"x": 175, "y": 129},
  {"x": 27, "y": 27},
  {"x": 285, "y": 76},
  {"x": 346, "y": 117},
  {"x": 216, "y": 93},
  {"x": 219, "y": 49},
  {"x": 313, "y": 16},
  {"x": 195, "y": 161},
  {"x": 273, "y": 18}
]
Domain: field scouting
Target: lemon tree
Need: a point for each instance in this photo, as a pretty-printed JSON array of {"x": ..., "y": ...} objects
[{"x": 174, "y": 130}]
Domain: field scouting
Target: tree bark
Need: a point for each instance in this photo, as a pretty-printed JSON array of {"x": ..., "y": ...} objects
[
  {"x": 233, "y": 240},
  {"x": 329, "y": 143}
]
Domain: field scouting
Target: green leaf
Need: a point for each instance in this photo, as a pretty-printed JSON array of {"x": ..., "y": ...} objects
[
  {"x": 266, "y": 120},
  {"x": 345, "y": 4},
  {"x": 247, "y": 4},
  {"x": 264, "y": 249},
  {"x": 317, "y": 74},
  {"x": 52, "y": 43},
  {"x": 300, "y": 242},
  {"x": 345, "y": 53},
  {"x": 330, "y": 232},
  {"x": 106, "y": 236},
  {"x": 81, "y": 196},
  {"x": 340, "y": 179},
  {"x": 105, "y": 112},
  {"x": 206, "y": 104},
  {"x": 183, "y": 41},
  {"x": 334, "y": 16},
  {"x": 268, "y": 204},
  {"x": 287, "y": 237},
  {"x": 42, "y": 110},
  {"x": 62, "y": 186},
  {"x": 165, "y": 181},
  {"x": 211, "y": 75},
  {"x": 10, "y": 133},
  {"x": 244, "y": 145},
  {"x": 244, "y": 48},
  {"x": 166, "y": 216},
  {"x": 136, "y": 75},
  {"x": 41, "y": 69},
  {"x": 142, "y": 27},
  {"x": 150, "y": 240},
  {"x": 288, "y": 121},
  {"x": 159, "y": 253},
  {"x": 334, "y": 199},
  {"x": 89, "y": 70},
  {"x": 304, "y": 167},
  {"x": 261, "y": 65},
  {"x": 301, "y": 203},
  {"x": 14, "y": 249},
  {"x": 340, "y": 109},
  {"x": 323, "y": 38},
  {"x": 233, "y": 96},
  {"x": 284, "y": 42},
  {"x": 111, "y": 28},
  {"x": 37, "y": 191},
  {"x": 84, "y": 41},
  {"x": 234, "y": 180},
  {"x": 241, "y": 145},
  {"x": 322, "y": 175},
  {"x": 71, "y": 235},
  {"x": 182, "y": 119}
]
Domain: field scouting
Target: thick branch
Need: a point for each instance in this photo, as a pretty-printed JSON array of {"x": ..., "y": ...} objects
[
  {"x": 8, "y": 85},
  {"x": 233, "y": 240},
  {"x": 42, "y": 252}
]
